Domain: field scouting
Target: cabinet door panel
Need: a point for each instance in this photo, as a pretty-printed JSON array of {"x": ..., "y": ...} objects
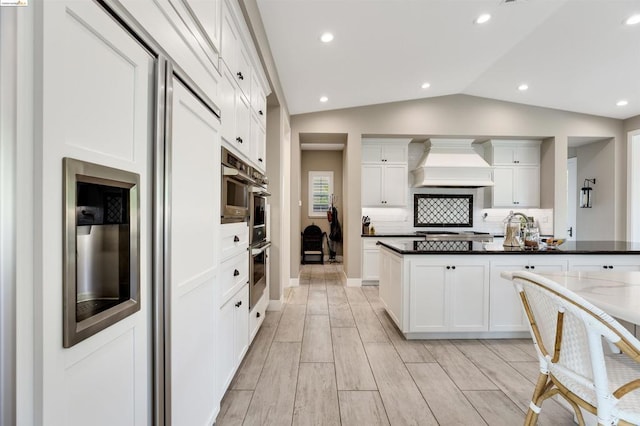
[
  {"x": 503, "y": 187},
  {"x": 395, "y": 185},
  {"x": 208, "y": 13},
  {"x": 469, "y": 292},
  {"x": 370, "y": 265},
  {"x": 243, "y": 123},
  {"x": 505, "y": 310},
  {"x": 372, "y": 185},
  {"x": 241, "y": 337},
  {"x": 371, "y": 153},
  {"x": 528, "y": 155},
  {"x": 527, "y": 190},
  {"x": 227, "y": 104},
  {"x": 395, "y": 154},
  {"x": 429, "y": 301},
  {"x": 503, "y": 155}
]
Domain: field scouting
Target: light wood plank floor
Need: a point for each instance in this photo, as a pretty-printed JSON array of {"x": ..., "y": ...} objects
[{"x": 333, "y": 356}]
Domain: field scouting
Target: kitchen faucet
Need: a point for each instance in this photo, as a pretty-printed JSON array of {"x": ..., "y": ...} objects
[{"x": 527, "y": 219}]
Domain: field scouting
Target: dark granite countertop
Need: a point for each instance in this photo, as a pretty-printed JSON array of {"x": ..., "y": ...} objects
[
  {"x": 407, "y": 234},
  {"x": 473, "y": 247}
]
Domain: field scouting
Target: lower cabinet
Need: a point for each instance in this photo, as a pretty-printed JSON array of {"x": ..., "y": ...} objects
[
  {"x": 504, "y": 303},
  {"x": 371, "y": 255},
  {"x": 450, "y": 294},
  {"x": 604, "y": 263},
  {"x": 233, "y": 332}
]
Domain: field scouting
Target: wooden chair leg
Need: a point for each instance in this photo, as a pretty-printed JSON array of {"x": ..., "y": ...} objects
[{"x": 536, "y": 399}]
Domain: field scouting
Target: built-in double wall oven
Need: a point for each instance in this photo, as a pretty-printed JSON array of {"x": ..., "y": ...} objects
[
  {"x": 258, "y": 241},
  {"x": 244, "y": 199}
]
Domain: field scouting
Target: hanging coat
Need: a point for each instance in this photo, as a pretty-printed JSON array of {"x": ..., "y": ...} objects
[{"x": 335, "y": 233}]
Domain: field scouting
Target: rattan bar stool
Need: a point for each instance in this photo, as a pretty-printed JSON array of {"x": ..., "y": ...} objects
[{"x": 569, "y": 335}]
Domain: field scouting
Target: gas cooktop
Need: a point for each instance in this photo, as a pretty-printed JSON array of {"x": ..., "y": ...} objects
[{"x": 455, "y": 236}]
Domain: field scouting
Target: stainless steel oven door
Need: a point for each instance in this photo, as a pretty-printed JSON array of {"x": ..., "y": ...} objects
[
  {"x": 235, "y": 200},
  {"x": 258, "y": 219},
  {"x": 257, "y": 273}
]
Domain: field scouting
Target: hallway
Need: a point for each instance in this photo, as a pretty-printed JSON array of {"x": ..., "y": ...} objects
[{"x": 333, "y": 356}]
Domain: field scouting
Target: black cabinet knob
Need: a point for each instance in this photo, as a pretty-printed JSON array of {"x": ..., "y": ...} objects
[
  {"x": 236, "y": 273},
  {"x": 260, "y": 160},
  {"x": 453, "y": 267},
  {"x": 610, "y": 266},
  {"x": 257, "y": 314},
  {"x": 260, "y": 112},
  {"x": 533, "y": 267},
  {"x": 236, "y": 239},
  {"x": 526, "y": 267},
  {"x": 240, "y": 76},
  {"x": 239, "y": 139},
  {"x": 239, "y": 304},
  {"x": 448, "y": 267},
  {"x": 604, "y": 266}
]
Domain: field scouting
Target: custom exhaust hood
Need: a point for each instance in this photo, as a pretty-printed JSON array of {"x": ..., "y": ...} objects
[{"x": 451, "y": 163}]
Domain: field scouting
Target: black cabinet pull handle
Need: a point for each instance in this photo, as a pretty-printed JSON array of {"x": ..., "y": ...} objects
[
  {"x": 260, "y": 160},
  {"x": 604, "y": 266},
  {"x": 526, "y": 267},
  {"x": 240, "y": 76},
  {"x": 236, "y": 239},
  {"x": 260, "y": 112},
  {"x": 610, "y": 266},
  {"x": 236, "y": 273},
  {"x": 453, "y": 267},
  {"x": 533, "y": 267},
  {"x": 239, "y": 139},
  {"x": 237, "y": 305},
  {"x": 257, "y": 314},
  {"x": 448, "y": 267}
]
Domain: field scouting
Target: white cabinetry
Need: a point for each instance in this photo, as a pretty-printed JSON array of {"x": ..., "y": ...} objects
[
  {"x": 448, "y": 295},
  {"x": 516, "y": 173},
  {"x": 208, "y": 13},
  {"x": 233, "y": 338},
  {"x": 385, "y": 180},
  {"x": 371, "y": 266},
  {"x": 384, "y": 185},
  {"x": 243, "y": 91},
  {"x": 506, "y": 312},
  {"x": 602, "y": 263}
]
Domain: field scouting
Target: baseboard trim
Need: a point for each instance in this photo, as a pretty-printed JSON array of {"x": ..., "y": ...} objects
[
  {"x": 294, "y": 282},
  {"x": 354, "y": 282}
]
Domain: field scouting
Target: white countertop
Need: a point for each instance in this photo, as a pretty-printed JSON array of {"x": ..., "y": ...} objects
[{"x": 616, "y": 293}]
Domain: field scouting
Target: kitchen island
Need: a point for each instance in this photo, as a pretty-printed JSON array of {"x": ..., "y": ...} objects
[{"x": 453, "y": 289}]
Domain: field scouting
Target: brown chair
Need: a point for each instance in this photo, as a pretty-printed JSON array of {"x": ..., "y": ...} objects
[{"x": 312, "y": 247}]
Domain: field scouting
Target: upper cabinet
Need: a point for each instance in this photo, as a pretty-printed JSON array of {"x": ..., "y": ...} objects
[
  {"x": 385, "y": 174},
  {"x": 208, "y": 13},
  {"x": 388, "y": 151},
  {"x": 516, "y": 173},
  {"x": 244, "y": 119}
]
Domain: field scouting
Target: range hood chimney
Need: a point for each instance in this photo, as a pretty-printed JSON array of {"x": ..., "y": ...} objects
[{"x": 452, "y": 163}]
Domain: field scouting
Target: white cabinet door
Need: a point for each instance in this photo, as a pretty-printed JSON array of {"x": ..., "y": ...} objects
[
  {"x": 370, "y": 265},
  {"x": 195, "y": 156},
  {"x": 227, "y": 104},
  {"x": 428, "y": 310},
  {"x": 503, "y": 155},
  {"x": 527, "y": 189},
  {"x": 229, "y": 41},
  {"x": 371, "y": 153},
  {"x": 372, "y": 181},
  {"x": 505, "y": 310},
  {"x": 503, "y": 178},
  {"x": 469, "y": 295},
  {"x": 605, "y": 263},
  {"x": 394, "y": 153},
  {"x": 258, "y": 142},
  {"x": 243, "y": 123},
  {"x": 208, "y": 13},
  {"x": 395, "y": 185},
  {"x": 392, "y": 288},
  {"x": 243, "y": 74},
  {"x": 528, "y": 155},
  {"x": 241, "y": 324}
]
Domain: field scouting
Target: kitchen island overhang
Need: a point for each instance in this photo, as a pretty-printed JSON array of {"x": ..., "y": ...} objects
[{"x": 440, "y": 292}]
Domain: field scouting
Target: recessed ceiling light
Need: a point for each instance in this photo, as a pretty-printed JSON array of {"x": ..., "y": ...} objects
[
  {"x": 323, "y": 99},
  {"x": 425, "y": 85},
  {"x": 523, "y": 87},
  {"x": 483, "y": 18},
  {"x": 326, "y": 37},
  {"x": 633, "y": 19},
  {"x": 622, "y": 102}
]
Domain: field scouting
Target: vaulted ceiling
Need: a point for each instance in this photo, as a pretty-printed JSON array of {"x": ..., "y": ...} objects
[{"x": 575, "y": 55}]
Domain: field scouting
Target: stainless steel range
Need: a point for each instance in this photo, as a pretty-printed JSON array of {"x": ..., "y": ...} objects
[{"x": 455, "y": 236}]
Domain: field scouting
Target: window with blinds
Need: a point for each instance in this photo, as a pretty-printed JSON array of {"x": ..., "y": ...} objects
[{"x": 320, "y": 190}]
